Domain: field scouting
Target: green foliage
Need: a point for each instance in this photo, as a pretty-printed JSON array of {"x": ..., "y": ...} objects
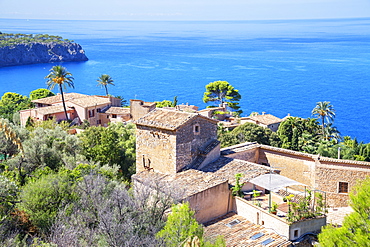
[
  {"x": 10, "y": 39},
  {"x": 299, "y": 134},
  {"x": 60, "y": 76},
  {"x": 174, "y": 101},
  {"x": 9, "y": 197},
  {"x": 324, "y": 111},
  {"x": 11, "y": 138},
  {"x": 104, "y": 80},
  {"x": 112, "y": 145},
  {"x": 164, "y": 103},
  {"x": 42, "y": 199},
  {"x": 180, "y": 225},
  {"x": 356, "y": 226},
  {"x": 11, "y": 103},
  {"x": 41, "y": 93},
  {"x": 248, "y": 132},
  {"x": 51, "y": 148},
  {"x": 305, "y": 207},
  {"x": 222, "y": 92},
  {"x": 237, "y": 189}
]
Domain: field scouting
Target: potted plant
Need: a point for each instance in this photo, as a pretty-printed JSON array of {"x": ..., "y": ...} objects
[{"x": 274, "y": 208}]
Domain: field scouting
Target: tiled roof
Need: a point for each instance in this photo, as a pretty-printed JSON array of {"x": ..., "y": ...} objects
[
  {"x": 240, "y": 234},
  {"x": 191, "y": 181},
  {"x": 266, "y": 119},
  {"x": 51, "y": 109},
  {"x": 117, "y": 110},
  {"x": 226, "y": 168},
  {"x": 251, "y": 145},
  {"x": 167, "y": 119},
  {"x": 58, "y": 98},
  {"x": 89, "y": 101}
]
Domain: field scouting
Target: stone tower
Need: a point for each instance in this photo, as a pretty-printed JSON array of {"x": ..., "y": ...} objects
[{"x": 169, "y": 141}]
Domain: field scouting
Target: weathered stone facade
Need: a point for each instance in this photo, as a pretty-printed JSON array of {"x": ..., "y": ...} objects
[
  {"x": 169, "y": 148},
  {"x": 139, "y": 108},
  {"x": 316, "y": 172}
]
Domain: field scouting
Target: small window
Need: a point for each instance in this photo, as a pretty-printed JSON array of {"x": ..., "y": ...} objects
[
  {"x": 91, "y": 113},
  {"x": 196, "y": 129},
  {"x": 98, "y": 122},
  {"x": 114, "y": 115},
  {"x": 343, "y": 187},
  {"x": 296, "y": 233}
]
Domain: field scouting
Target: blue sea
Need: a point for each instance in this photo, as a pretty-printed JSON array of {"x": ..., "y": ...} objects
[{"x": 279, "y": 67}]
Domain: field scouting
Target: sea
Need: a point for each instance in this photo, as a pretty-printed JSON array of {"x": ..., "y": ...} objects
[{"x": 280, "y": 67}]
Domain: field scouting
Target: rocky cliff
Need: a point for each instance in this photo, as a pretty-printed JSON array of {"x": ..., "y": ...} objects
[{"x": 32, "y": 53}]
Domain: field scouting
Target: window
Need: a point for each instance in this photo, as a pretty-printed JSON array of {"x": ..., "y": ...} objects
[
  {"x": 196, "y": 129},
  {"x": 146, "y": 163},
  {"x": 114, "y": 115},
  {"x": 296, "y": 233},
  {"x": 98, "y": 122},
  {"x": 343, "y": 187},
  {"x": 91, "y": 113}
]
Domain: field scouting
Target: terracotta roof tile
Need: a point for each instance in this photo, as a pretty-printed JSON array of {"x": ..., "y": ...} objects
[
  {"x": 89, "y": 101},
  {"x": 266, "y": 119},
  {"x": 192, "y": 181},
  {"x": 58, "y": 98},
  {"x": 240, "y": 234},
  {"x": 117, "y": 110},
  {"x": 226, "y": 168},
  {"x": 167, "y": 119},
  {"x": 51, "y": 109}
]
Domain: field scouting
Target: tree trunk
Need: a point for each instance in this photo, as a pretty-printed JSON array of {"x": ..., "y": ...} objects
[
  {"x": 64, "y": 104},
  {"x": 106, "y": 90}
]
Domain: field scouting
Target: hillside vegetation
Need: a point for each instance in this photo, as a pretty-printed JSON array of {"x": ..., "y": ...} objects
[{"x": 10, "y": 39}]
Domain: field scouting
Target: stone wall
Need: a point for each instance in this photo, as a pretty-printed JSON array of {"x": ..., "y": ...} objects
[
  {"x": 211, "y": 203},
  {"x": 262, "y": 217},
  {"x": 155, "y": 149},
  {"x": 190, "y": 142},
  {"x": 298, "y": 168},
  {"x": 139, "y": 108},
  {"x": 328, "y": 176},
  {"x": 250, "y": 155}
]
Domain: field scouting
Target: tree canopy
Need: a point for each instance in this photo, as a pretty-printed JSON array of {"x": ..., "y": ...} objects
[
  {"x": 104, "y": 80},
  {"x": 248, "y": 132},
  {"x": 355, "y": 230},
  {"x": 112, "y": 145},
  {"x": 222, "y": 92},
  {"x": 41, "y": 93},
  {"x": 11, "y": 103},
  {"x": 326, "y": 113},
  {"x": 60, "y": 76}
]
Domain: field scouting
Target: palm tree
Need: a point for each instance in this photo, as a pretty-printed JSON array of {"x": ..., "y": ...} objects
[
  {"x": 104, "y": 80},
  {"x": 325, "y": 111},
  {"x": 60, "y": 76}
]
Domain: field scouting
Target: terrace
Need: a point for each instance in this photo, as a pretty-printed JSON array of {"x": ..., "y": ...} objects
[{"x": 275, "y": 202}]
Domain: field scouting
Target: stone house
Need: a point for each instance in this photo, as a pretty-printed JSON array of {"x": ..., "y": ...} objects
[
  {"x": 168, "y": 141},
  {"x": 181, "y": 150},
  {"x": 80, "y": 107},
  {"x": 264, "y": 120}
]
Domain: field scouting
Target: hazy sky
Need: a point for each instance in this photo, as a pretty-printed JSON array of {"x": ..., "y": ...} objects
[{"x": 183, "y": 9}]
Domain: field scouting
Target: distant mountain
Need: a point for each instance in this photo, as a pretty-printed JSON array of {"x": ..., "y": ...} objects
[{"x": 21, "y": 49}]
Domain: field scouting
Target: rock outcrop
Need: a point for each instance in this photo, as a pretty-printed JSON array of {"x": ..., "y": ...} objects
[{"x": 32, "y": 53}]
